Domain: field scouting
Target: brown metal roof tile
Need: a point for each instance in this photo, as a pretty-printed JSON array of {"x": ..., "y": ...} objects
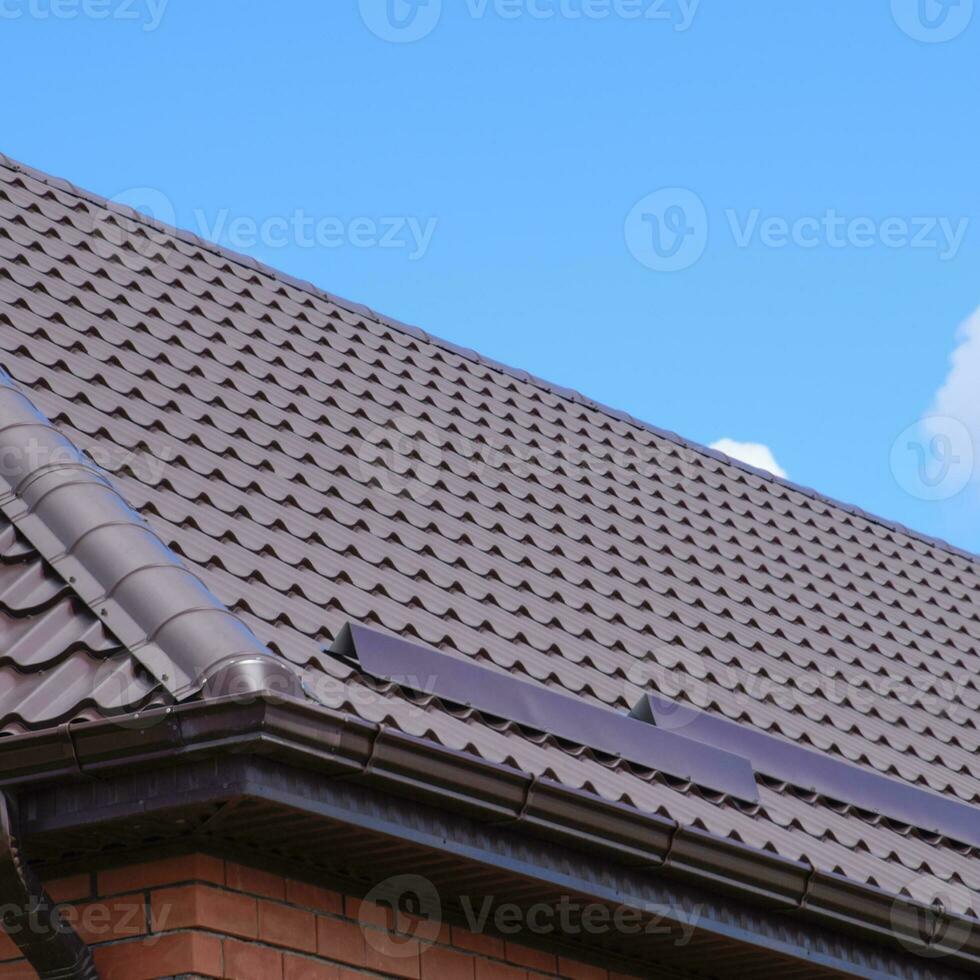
[
  {"x": 57, "y": 661},
  {"x": 313, "y": 463},
  {"x": 96, "y": 543}
]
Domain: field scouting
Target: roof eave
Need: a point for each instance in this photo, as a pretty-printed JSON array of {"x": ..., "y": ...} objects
[{"x": 341, "y": 746}]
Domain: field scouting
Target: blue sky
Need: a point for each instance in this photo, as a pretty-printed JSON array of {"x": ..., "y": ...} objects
[{"x": 757, "y": 222}]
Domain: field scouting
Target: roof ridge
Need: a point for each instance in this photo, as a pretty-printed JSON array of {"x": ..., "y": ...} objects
[
  {"x": 76, "y": 519},
  {"x": 417, "y": 333}
]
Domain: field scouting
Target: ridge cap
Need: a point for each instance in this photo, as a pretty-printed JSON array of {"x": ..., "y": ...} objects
[{"x": 82, "y": 526}]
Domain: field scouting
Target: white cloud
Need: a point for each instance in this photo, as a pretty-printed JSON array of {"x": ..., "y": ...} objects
[
  {"x": 959, "y": 397},
  {"x": 753, "y": 453}
]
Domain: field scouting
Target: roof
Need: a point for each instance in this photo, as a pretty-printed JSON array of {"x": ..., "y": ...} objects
[
  {"x": 57, "y": 661},
  {"x": 313, "y": 463}
]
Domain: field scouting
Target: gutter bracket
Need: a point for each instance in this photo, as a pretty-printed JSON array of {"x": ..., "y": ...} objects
[
  {"x": 805, "y": 897},
  {"x": 669, "y": 853},
  {"x": 937, "y": 920},
  {"x": 526, "y": 805},
  {"x": 664, "y": 863},
  {"x": 31, "y": 918},
  {"x": 69, "y": 734},
  {"x": 369, "y": 761}
]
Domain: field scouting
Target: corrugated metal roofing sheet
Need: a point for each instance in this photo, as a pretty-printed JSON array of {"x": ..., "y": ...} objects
[{"x": 315, "y": 463}]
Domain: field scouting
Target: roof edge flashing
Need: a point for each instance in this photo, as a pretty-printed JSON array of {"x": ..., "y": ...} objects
[
  {"x": 156, "y": 607},
  {"x": 343, "y": 748}
]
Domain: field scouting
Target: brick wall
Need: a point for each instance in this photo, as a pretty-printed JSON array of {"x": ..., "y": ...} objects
[{"x": 201, "y": 916}]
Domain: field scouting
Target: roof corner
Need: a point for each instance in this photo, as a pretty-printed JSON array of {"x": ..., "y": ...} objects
[{"x": 78, "y": 521}]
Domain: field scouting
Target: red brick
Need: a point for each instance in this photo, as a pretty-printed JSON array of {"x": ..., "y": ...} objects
[
  {"x": 427, "y": 931},
  {"x": 369, "y": 913},
  {"x": 391, "y": 955},
  {"x": 72, "y": 889},
  {"x": 533, "y": 958},
  {"x": 487, "y": 970},
  {"x": 439, "y": 963},
  {"x": 247, "y": 961},
  {"x": 254, "y": 882},
  {"x": 385, "y": 917},
  {"x": 314, "y": 897},
  {"x": 17, "y": 971},
  {"x": 203, "y": 907},
  {"x": 170, "y": 871},
  {"x": 478, "y": 942},
  {"x": 166, "y": 956},
  {"x": 9, "y": 950},
  {"x": 109, "y": 919},
  {"x": 580, "y": 971},
  {"x": 340, "y": 940},
  {"x": 281, "y": 925},
  {"x": 301, "y": 968}
]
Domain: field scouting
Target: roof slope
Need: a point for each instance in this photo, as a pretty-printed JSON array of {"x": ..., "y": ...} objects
[
  {"x": 57, "y": 661},
  {"x": 101, "y": 552},
  {"x": 314, "y": 463}
]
